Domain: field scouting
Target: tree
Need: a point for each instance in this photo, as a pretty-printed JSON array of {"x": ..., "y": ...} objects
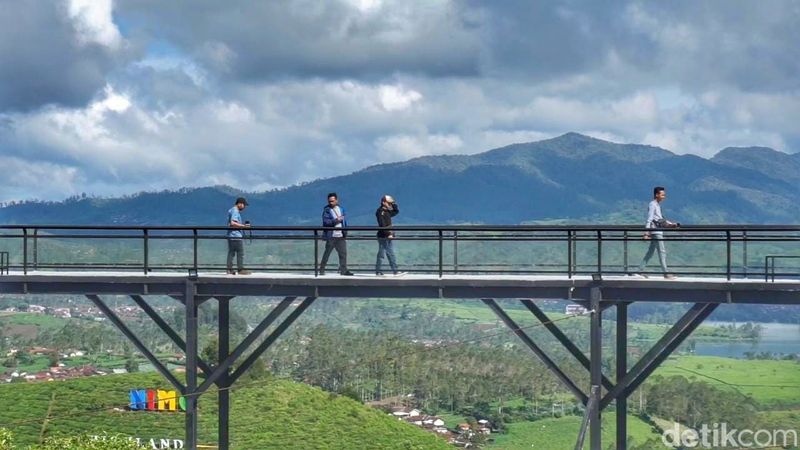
[
  {"x": 53, "y": 359},
  {"x": 210, "y": 352},
  {"x": 131, "y": 365}
]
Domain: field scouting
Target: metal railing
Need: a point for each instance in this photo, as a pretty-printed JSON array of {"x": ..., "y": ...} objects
[
  {"x": 570, "y": 250},
  {"x": 769, "y": 264},
  {"x": 4, "y": 263}
]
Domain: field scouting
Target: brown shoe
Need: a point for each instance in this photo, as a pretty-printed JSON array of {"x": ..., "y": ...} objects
[{"x": 245, "y": 272}]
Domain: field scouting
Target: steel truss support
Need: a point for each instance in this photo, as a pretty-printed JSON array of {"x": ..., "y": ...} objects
[
  {"x": 562, "y": 338},
  {"x": 579, "y": 394},
  {"x": 168, "y": 330},
  {"x": 114, "y": 319},
  {"x": 659, "y": 352},
  {"x": 222, "y": 375},
  {"x": 225, "y": 364},
  {"x": 591, "y": 406},
  {"x": 627, "y": 381}
]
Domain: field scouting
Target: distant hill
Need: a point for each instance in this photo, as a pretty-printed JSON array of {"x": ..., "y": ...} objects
[
  {"x": 570, "y": 177},
  {"x": 275, "y": 414}
]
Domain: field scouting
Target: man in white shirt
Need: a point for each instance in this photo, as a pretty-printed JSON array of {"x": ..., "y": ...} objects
[
  {"x": 655, "y": 220},
  {"x": 333, "y": 217}
]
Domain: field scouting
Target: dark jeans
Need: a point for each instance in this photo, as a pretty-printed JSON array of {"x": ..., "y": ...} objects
[
  {"x": 340, "y": 244},
  {"x": 385, "y": 247},
  {"x": 235, "y": 247}
]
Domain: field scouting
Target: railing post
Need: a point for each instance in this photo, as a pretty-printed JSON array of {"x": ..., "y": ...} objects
[
  {"x": 194, "y": 249},
  {"x": 766, "y": 268},
  {"x": 569, "y": 254},
  {"x": 575, "y": 252},
  {"x": 145, "y": 239},
  {"x": 441, "y": 244},
  {"x": 455, "y": 251},
  {"x": 316, "y": 253},
  {"x": 25, "y": 251},
  {"x": 625, "y": 250},
  {"x": 772, "y": 263},
  {"x": 744, "y": 252},
  {"x": 728, "y": 252},
  {"x": 35, "y": 249},
  {"x": 599, "y": 252}
]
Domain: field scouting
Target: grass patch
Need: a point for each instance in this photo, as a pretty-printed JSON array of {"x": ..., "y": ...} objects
[{"x": 763, "y": 380}]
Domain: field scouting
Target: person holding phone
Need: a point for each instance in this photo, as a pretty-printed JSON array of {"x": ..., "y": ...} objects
[
  {"x": 333, "y": 217},
  {"x": 655, "y": 221},
  {"x": 236, "y": 237},
  {"x": 384, "y": 214}
]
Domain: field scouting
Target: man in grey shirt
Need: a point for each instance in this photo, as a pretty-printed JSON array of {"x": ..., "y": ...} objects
[{"x": 655, "y": 220}]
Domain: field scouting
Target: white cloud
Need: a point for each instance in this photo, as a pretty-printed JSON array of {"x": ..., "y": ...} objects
[
  {"x": 93, "y": 22},
  {"x": 28, "y": 180},
  {"x": 402, "y": 147},
  {"x": 396, "y": 98},
  {"x": 233, "y": 112},
  {"x": 268, "y": 94}
]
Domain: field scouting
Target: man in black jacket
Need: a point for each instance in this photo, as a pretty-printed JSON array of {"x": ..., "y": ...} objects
[{"x": 384, "y": 214}]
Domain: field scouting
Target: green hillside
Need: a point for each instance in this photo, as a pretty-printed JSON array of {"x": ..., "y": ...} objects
[{"x": 270, "y": 414}]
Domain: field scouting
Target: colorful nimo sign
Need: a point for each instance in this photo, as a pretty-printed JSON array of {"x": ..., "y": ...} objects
[{"x": 156, "y": 400}]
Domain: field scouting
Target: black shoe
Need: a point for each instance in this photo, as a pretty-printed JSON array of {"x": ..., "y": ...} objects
[
  {"x": 347, "y": 273},
  {"x": 321, "y": 272},
  {"x": 379, "y": 274}
]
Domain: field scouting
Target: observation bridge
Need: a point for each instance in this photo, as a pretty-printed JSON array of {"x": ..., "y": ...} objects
[{"x": 588, "y": 265}]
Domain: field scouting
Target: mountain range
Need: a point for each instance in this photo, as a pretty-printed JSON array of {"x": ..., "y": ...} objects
[{"x": 570, "y": 178}]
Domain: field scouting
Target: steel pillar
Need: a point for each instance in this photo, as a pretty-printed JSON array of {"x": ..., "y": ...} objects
[
  {"x": 223, "y": 394},
  {"x": 191, "y": 394},
  {"x": 622, "y": 369},
  {"x": 596, "y": 370}
]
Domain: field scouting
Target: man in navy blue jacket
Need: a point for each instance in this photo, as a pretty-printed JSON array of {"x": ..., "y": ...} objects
[{"x": 333, "y": 217}]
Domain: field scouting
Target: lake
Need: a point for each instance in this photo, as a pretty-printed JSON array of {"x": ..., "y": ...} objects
[{"x": 775, "y": 338}]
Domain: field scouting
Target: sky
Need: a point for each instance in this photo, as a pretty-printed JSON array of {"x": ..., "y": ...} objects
[{"x": 113, "y": 97}]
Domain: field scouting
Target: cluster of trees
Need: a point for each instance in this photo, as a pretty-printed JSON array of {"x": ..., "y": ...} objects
[
  {"x": 694, "y": 403},
  {"x": 442, "y": 376}
]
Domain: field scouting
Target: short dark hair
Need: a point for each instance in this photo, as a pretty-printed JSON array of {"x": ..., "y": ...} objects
[
  {"x": 657, "y": 189},
  {"x": 333, "y": 194}
]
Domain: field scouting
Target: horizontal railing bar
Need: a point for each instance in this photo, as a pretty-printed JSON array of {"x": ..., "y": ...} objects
[{"x": 554, "y": 228}]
